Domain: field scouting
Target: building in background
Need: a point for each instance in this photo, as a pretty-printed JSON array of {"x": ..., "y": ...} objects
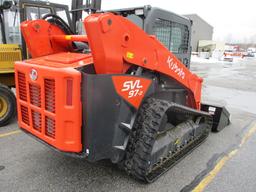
[
  {"x": 201, "y": 30},
  {"x": 214, "y": 49},
  {"x": 210, "y": 46}
]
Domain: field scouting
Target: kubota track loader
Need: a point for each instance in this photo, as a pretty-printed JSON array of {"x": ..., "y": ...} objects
[{"x": 117, "y": 92}]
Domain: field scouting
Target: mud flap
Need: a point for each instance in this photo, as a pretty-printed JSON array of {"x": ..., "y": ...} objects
[
  {"x": 221, "y": 116},
  {"x": 107, "y": 117}
]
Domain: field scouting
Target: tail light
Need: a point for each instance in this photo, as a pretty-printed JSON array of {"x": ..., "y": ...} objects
[{"x": 69, "y": 92}]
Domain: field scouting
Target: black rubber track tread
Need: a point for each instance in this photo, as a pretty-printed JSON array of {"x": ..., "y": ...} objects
[
  {"x": 7, "y": 93},
  {"x": 143, "y": 136}
]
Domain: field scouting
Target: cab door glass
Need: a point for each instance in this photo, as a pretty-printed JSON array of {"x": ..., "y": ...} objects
[
  {"x": 1, "y": 40},
  {"x": 12, "y": 29}
]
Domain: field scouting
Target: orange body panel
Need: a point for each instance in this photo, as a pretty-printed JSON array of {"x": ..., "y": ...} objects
[
  {"x": 116, "y": 44},
  {"x": 132, "y": 89},
  {"x": 38, "y": 35},
  {"x": 42, "y": 104},
  {"x": 115, "y": 41}
]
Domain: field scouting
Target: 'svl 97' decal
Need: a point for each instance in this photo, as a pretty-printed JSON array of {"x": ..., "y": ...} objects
[{"x": 132, "y": 89}]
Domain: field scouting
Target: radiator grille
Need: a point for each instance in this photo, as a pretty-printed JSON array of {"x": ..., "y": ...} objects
[
  {"x": 9, "y": 56},
  {"x": 24, "y": 114},
  {"x": 49, "y": 89},
  {"x": 50, "y": 127},
  {"x": 35, "y": 95},
  {"x": 37, "y": 121},
  {"x": 41, "y": 122},
  {"x": 22, "y": 86}
]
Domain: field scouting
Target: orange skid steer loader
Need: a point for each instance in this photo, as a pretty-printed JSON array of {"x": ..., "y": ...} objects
[{"x": 115, "y": 93}]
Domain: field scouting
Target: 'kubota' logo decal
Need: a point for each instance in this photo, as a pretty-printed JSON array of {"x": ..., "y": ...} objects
[
  {"x": 33, "y": 74},
  {"x": 132, "y": 89},
  {"x": 174, "y": 67}
]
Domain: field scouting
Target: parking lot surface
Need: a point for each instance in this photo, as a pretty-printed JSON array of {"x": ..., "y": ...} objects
[{"x": 224, "y": 162}]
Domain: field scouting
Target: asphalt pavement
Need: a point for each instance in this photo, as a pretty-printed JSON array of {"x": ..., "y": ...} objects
[{"x": 27, "y": 165}]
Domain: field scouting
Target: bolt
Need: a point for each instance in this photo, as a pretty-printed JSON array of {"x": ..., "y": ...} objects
[
  {"x": 109, "y": 22},
  {"x": 1, "y": 167},
  {"x": 118, "y": 103}
]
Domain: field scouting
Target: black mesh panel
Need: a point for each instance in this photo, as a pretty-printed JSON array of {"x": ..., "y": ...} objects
[{"x": 174, "y": 36}]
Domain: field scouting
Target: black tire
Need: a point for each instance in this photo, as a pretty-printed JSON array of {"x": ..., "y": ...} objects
[{"x": 8, "y": 97}]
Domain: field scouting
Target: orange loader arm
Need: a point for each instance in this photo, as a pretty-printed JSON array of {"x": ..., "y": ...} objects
[{"x": 116, "y": 43}]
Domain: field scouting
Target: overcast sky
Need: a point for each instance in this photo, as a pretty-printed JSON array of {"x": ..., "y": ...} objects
[{"x": 232, "y": 20}]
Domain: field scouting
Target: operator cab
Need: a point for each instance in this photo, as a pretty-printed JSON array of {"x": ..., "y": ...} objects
[
  {"x": 32, "y": 10},
  {"x": 12, "y": 46},
  {"x": 172, "y": 30},
  {"x": 12, "y": 14}
]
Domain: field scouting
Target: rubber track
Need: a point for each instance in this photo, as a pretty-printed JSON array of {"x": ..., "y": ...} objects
[{"x": 138, "y": 153}]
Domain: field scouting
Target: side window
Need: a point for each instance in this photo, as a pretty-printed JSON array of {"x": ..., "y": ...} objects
[
  {"x": 44, "y": 11},
  {"x": 62, "y": 14},
  {"x": 174, "y": 36},
  {"x": 33, "y": 13}
]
